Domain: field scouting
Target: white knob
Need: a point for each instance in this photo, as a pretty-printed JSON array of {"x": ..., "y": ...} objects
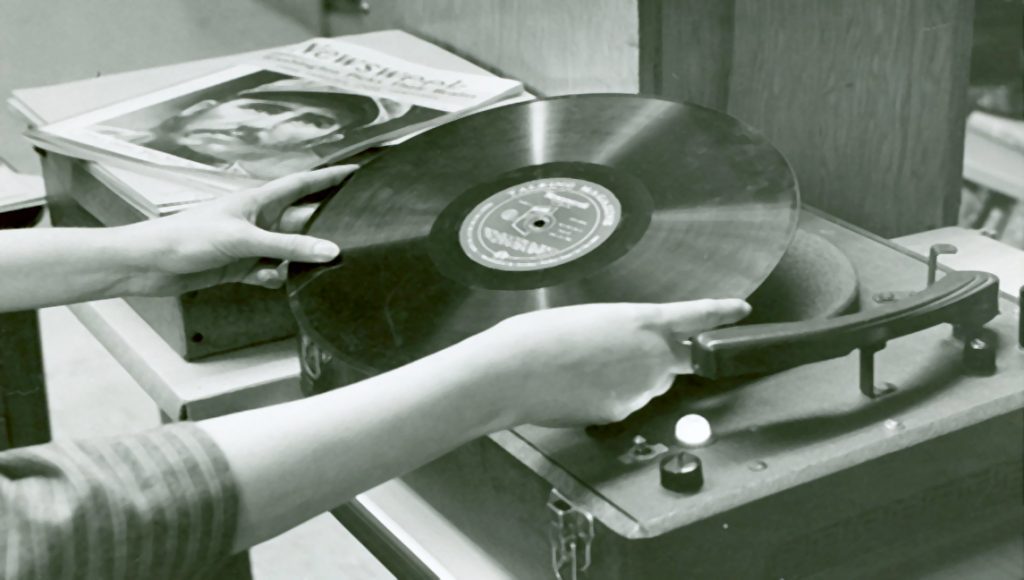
[{"x": 693, "y": 430}]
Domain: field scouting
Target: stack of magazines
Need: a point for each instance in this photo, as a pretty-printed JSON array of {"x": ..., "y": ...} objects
[
  {"x": 300, "y": 107},
  {"x": 18, "y": 192}
]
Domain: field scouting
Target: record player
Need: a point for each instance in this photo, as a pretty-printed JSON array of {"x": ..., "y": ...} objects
[{"x": 866, "y": 418}]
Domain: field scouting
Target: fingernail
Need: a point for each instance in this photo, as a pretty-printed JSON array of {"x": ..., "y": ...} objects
[
  {"x": 325, "y": 251},
  {"x": 735, "y": 304},
  {"x": 343, "y": 170}
]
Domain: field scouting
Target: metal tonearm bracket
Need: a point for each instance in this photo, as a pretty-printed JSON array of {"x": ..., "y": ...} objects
[{"x": 933, "y": 259}]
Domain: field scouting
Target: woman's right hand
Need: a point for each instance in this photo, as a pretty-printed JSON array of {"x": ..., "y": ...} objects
[{"x": 593, "y": 363}]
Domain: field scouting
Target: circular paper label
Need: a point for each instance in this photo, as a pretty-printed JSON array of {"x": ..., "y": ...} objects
[{"x": 539, "y": 224}]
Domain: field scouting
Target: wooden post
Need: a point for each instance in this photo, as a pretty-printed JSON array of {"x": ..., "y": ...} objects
[
  {"x": 866, "y": 99},
  {"x": 24, "y": 416}
]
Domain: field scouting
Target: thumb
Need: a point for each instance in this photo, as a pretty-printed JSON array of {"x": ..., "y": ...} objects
[
  {"x": 693, "y": 317},
  {"x": 260, "y": 243}
]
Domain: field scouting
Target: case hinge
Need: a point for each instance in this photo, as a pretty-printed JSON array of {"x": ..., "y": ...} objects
[{"x": 571, "y": 533}]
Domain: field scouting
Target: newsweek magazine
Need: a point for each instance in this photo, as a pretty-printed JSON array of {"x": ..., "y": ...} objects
[{"x": 289, "y": 110}]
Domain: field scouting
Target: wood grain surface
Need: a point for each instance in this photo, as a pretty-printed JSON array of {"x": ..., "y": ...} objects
[
  {"x": 686, "y": 50},
  {"x": 866, "y": 99}
]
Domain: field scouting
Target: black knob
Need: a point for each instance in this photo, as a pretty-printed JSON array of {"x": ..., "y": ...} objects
[
  {"x": 682, "y": 472},
  {"x": 979, "y": 357}
]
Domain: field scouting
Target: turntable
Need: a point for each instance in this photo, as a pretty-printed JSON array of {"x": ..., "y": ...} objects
[{"x": 866, "y": 417}]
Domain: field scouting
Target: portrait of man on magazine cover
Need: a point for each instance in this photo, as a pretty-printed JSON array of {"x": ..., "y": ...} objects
[{"x": 261, "y": 125}]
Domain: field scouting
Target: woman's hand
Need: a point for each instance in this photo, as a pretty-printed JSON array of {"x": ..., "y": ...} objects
[
  {"x": 594, "y": 363},
  {"x": 242, "y": 237},
  {"x": 578, "y": 365}
]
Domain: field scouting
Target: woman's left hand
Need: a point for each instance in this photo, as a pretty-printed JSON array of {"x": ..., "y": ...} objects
[{"x": 242, "y": 237}]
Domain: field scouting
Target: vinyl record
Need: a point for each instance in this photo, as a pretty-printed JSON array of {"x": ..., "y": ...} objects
[{"x": 586, "y": 198}]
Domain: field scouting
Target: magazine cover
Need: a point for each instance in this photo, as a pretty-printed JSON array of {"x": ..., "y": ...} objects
[{"x": 291, "y": 110}]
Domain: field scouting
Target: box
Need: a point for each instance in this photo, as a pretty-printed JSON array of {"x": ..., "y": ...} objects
[{"x": 195, "y": 324}]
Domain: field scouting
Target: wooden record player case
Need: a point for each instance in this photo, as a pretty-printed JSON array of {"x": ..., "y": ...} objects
[{"x": 807, "y": 477}]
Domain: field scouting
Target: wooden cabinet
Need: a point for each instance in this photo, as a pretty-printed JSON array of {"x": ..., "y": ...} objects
[{"x": 865, "y": 98}]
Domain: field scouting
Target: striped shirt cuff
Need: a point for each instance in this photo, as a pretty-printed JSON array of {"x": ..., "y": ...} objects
[{"x": 160, "y": 504}]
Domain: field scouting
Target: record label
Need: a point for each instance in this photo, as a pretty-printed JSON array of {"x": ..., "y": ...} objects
[{"x": 539, "y": 224}]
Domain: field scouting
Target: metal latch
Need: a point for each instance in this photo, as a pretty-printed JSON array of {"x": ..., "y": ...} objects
[{"x": 571, "y": 533}]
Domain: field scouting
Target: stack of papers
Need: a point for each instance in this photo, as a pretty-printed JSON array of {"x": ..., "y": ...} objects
[
  {"x": 19, "y": 191},
  {"x": 289, "y": 109}
]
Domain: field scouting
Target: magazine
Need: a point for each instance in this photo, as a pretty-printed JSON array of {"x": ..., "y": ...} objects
[
  {"x": 289, "y": 110},
  {"x": 18, "y": 191}
]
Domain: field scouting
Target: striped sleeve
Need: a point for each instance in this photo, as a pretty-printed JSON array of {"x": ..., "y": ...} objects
[{"x": 160, "y": 504}]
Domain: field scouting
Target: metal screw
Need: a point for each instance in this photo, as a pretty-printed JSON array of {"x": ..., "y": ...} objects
[
  {"x": 757, "y": 466},
  {"x": 893, "y": 425},
  {"x": 725, "y": 526},
  {"x": 640, "y": 446},
  {"x": 884, "y": 297}
]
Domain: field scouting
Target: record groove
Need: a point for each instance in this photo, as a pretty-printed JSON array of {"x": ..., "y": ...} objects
[{"x": 588, "y": 198}]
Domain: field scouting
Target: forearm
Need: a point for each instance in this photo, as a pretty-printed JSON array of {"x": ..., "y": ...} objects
[
  {"x": 44, "y": 267},
  {"x": 297, "y": 460}
]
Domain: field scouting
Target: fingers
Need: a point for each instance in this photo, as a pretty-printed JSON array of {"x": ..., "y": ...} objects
[
  {"x": 285, "y": 191},
  {"x": 272, "y": 277},
  {"x": 689, "y": 318},
  {"x": 294, "y": 219},
  {"x": 260, "y": 243}
]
